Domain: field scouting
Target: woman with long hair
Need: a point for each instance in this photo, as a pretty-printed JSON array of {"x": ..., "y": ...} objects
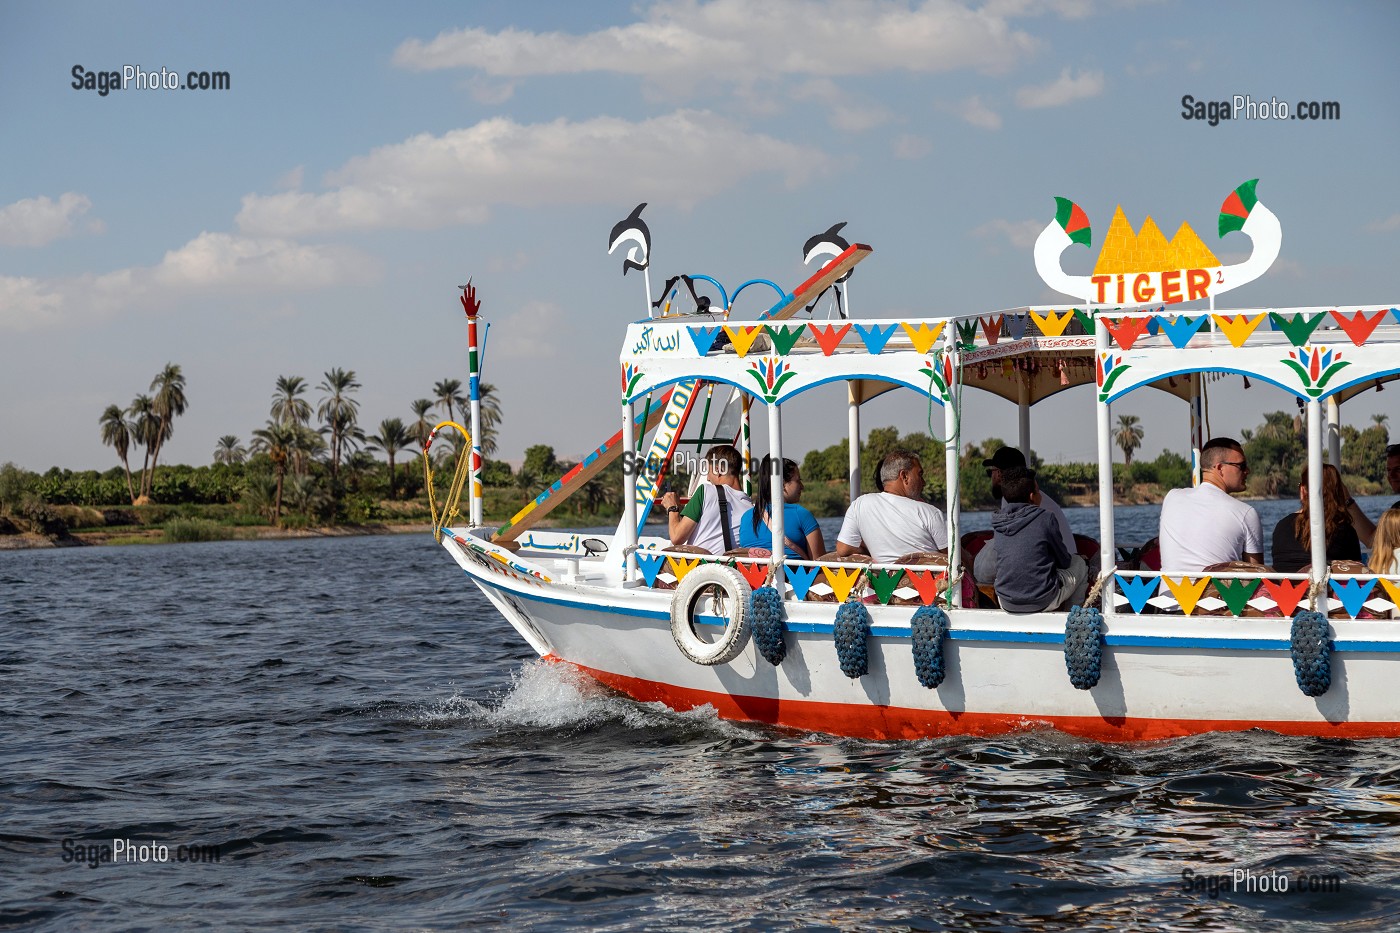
[
  {"x": 1293, "y": 534},
  {"x": 804, "y": 537},
  {"x": 1385, "y": 554}
]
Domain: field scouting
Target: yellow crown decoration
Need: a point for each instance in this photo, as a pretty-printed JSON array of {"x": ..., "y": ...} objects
[{"x": 1148, "y": 250}]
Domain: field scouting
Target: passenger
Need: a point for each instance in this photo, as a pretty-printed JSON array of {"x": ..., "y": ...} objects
[
  {"x": 711, "y": 517},
  {"x": 1392, "y": 469},
  {"x": 803, "y": 537},
  {"x": 1036, "y": 571},
  {"x": 984, "y": 567},
  {"x": 1204, "y": 525},
  {"x": 1342, "y": 520},
  {"x": 1385, "y": 556},
  {"x": 896, "y": 520}
]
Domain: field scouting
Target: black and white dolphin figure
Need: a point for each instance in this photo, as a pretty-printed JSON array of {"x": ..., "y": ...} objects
[
  {"x": 632, "y": 230},
  {"x": 824, "y": 247}
]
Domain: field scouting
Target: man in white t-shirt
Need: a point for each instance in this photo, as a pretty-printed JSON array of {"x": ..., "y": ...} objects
[
  {"x": 984, "y": 567},
  {"x": 701, "y": 522},
  {"x": 895, "y": 521},
  {"x": 1205, "y": 526}
]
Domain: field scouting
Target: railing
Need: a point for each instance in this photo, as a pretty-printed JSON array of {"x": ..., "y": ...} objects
[{"x": 1236, "y": 593}]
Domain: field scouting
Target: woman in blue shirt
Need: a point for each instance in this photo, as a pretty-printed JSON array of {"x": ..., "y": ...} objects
[{"x": 804, "y": 537}]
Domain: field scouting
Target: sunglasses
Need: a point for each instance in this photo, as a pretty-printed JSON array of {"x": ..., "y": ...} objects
[{"x": 1237, "y": 464}]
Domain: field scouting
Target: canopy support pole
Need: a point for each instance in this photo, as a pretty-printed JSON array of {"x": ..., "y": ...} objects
[
  {"x": 1107, "y": 549},
  {"x": 853, "y": 439},
  {"x": 629, "y": 500},
  {"x": 1023, "y": 414},
  {"x": 1316, "y": 505},
  {"x": 1334, "y": 432},
  {"x": 775, "y": 481},
  {"x": 1197, "y": 426},
  {"x": 951, "y": 413}
]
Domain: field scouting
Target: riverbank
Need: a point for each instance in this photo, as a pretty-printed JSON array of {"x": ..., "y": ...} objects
[{"x": 121, "y": 536}]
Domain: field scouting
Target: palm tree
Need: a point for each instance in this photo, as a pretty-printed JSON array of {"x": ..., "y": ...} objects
[
  {"x": 391, "y": 438},
  {"x": 490, "y": 418},
  {"x": 1128, "y": 436},
  {"x": 288, "y": 407},
  {"x": 1380, "y": 418},
  {"x": 449, "y": 392},
  {"x": 144, "y": 425},
  {"x": 422, "y": 427},
  {"x": 116, "y": 433},
  {"x": 279, "y": 441},
  {"x": 228, "y": 451},
  {"x": 339, "y": 412},
  {"x": 168, "y": 403}
]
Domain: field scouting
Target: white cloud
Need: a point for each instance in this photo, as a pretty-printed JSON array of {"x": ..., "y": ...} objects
[
  {"x": 844, "y": 111},
  {"x": 291, "y": 181},
  {"x": 977, "y": 113},
  {"x": 909, "y": 146},
  {"x": 1019, "y": 233},
  {"x": 40, "y": 221},
  {"x": 1388, "y": 225},
  {"x": 538, "y": 330},
  {"x": 738, "y": 40},
  {"x": 211, "y": 261},
  {"x": 27, "y": 304},
  {"x": 427, "y": 181},
  {"x": 491, "y": 93},
  {"x": 1063, "y": 90}
]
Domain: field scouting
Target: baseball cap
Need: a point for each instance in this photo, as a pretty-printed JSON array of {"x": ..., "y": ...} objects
[{"x": 1006, "y": 458}]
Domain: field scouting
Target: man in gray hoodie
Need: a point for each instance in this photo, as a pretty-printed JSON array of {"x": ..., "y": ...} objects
[{"x": 1035, "y": 572}]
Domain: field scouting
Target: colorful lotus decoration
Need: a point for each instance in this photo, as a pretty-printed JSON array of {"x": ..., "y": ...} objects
[
  {"x": 1315, "y": 366},
  {"x": 631, "y": 375},
  {"x": 940, "y": 373},
  {"x": 1107, "y": 373},
  {"x": 770, "y": 373}
]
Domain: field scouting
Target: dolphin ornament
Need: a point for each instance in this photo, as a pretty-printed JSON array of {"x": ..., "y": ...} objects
[
  {"x": 632, "y": 230},
  {"x": 1241, "y": 211},
  {"x": 824, "y": 247}
]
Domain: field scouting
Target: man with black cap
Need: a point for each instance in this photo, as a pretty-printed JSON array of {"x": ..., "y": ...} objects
[{"x": 984, "y": 568}]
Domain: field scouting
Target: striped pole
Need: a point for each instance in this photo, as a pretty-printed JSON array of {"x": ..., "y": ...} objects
[{"x": 473, "y": 309}]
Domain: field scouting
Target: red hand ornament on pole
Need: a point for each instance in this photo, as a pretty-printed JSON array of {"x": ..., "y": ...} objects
[{"x": 469, "y": 302}]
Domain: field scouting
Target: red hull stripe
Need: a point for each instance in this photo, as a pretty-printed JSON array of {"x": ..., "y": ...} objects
[{"x": 893, "y": 722}]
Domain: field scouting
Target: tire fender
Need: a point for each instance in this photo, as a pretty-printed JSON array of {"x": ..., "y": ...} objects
[{"x": 698, "y": 594}]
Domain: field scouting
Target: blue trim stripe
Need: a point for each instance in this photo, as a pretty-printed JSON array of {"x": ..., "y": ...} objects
[{"x": 984, "y": 635}]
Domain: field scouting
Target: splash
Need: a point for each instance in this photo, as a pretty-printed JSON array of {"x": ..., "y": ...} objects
[{"x": 557, "y": 697}]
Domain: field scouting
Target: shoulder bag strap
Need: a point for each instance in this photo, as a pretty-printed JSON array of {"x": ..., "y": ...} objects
[{"x": 724, "y": 517}]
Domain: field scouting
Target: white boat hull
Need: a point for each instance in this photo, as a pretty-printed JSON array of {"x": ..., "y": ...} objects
[{"x": 1162, "y": 676}]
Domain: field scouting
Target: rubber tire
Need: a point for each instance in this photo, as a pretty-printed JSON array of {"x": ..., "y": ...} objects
[{"x": 736, "y": 630}]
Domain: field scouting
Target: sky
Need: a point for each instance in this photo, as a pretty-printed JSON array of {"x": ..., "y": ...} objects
[{"x": 368, "y": 158}]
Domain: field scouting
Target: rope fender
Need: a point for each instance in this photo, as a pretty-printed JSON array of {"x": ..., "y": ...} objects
[
  {"x": 852, "y": 629},
  {"x": 929, "y": 627},
  {"x": 1084, "y": 647},
  {"x": 766, "y": 611},
  {"x": 1312, "y": 652}
]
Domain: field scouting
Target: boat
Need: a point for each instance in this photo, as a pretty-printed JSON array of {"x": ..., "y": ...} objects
[{"x": 908, "y": 650}]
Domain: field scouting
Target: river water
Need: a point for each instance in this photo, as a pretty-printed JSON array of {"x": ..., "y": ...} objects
[{"x": 365, "y": 744}]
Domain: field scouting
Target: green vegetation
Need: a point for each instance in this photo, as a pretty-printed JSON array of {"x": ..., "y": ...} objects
[{"x": 294, "y": 475}]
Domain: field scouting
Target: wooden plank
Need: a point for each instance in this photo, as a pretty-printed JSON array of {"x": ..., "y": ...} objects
[
  {"x": 572, "y": 481},
  {"x": 810, "y": 289}
]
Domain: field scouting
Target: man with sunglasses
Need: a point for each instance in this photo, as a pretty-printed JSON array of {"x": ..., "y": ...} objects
[{"x": 1205, "y": 525}]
